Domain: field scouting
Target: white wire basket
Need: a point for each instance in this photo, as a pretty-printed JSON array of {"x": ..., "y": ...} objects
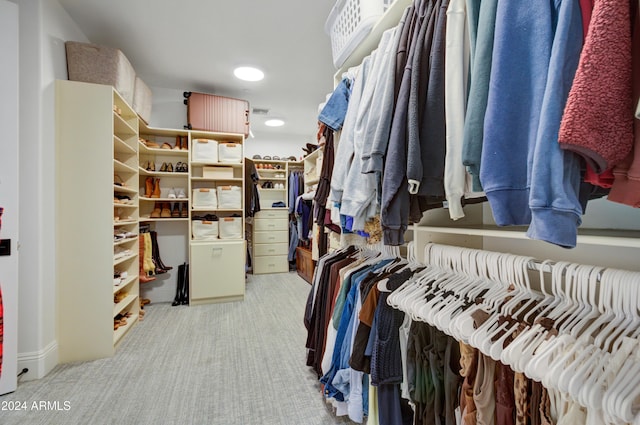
[{"x": 349, "y": 23}]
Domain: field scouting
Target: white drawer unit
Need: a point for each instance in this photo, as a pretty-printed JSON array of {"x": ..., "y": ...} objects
[
  {"x": 282, "y": 213},
  {"x": 270, "y": 237},
  {"x": 271, "y": 264},
  {"x": 271, "y": 242},
  {"x": 271, "y": 225},
  {"x": 271, "y": 249}
]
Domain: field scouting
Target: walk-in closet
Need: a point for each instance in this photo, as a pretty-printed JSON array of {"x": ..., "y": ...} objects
[{"x": 370, "y": 212}]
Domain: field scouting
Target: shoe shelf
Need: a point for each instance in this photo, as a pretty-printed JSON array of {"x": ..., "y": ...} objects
[
  {"x": 121, "y": 205},
  {"x": 122, "y": 127},
  {"x": 217, "y": 164},
  {"x": 146, "y": 219},
  {"x": 119, "y": 166},
  {"x": 125, "y": 241},
  {"x": 124, "y": 222},
  {"x": 125, "y": 284},
  {"x": 122, "y": 330},
  {"x": 124, "y": 259},
  {"x": 119, "y": 307},
  {"x": 144, "y": 172},
  {"x": 207, "y": 179},
  {"x": 143, "y": 198},
  {"x": 121, "y": 147},
  {"x": 145, "y": 150},
  {"x": 123, "y": 189},
  {"x": 231, "y": 210}
]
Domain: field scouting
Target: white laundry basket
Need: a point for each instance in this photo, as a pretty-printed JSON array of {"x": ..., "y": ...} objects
[{"x": 349, "y": 22}]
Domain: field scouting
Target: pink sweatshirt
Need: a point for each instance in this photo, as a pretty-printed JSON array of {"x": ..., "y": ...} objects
[
  {"x": 626, "y": 187},
  {"x": 597, "y": 121}
]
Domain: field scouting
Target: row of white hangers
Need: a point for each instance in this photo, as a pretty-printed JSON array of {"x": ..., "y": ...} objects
[{"x": 591, "y": 352}]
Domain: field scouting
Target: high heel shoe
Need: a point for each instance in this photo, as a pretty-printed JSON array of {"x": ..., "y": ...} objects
[
  {"x": 178, "y": 144},
  {"x": 169, "y": 168},
  {"x": 163, "y": 167},
  {"x": 184, "y": 143}
]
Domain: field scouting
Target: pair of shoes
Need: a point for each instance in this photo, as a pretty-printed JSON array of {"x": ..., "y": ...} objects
[
  {"x": 181, "y": 167},
  {"x": 182, "y": 143},
  {"x": 166, "y": 168},
  {"x": 176, "y": 195},
  {"x": 117, "y": 180},
  {"x": 152, "y": 188},
  {"x": 179, "y": 210},
  {"x": 267, "y": 185},
  {"x": 151, "y": 166}
]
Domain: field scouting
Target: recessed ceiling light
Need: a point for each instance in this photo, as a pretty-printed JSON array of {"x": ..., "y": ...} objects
[
  {"x": 248, "y": 73},
  {"x": 274, "y": 123}
]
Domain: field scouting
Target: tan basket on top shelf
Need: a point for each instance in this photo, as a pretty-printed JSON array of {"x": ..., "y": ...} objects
[{"x": 349, "y": 22}]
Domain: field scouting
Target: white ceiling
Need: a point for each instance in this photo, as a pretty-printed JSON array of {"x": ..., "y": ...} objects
[{"x": 194, "y": 45}]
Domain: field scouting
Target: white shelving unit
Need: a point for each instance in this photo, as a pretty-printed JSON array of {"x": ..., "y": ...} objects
[
  {"x": 217, "y": 266},
  {"x": 270, "y": 226},
  {"x": 97, "y": 197}
]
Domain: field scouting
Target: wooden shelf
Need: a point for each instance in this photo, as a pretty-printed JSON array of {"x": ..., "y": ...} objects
[
  {"x": 605, "y": 237},
  {"x": 119, "y": 146},
  {"x": 123, "y": 189},
  {"x": 149, "y": 219},
  {"x": 122, "y": 330},
  {"x": 217, "y": 209},
  {"x": 118, "y": 308},
  {"x": 145, "y": 150},
  {"x": 122, "y": 167},
  {"x": 124, "y": 259},
  {"x": 144, "y": 172},
  {"x": 124, "y": 241},
  {"x": 121, "y": 127},
  {"x": 124, "y": 284},
  {"x": 218, "y": 164},
  {"x": 207, "y": 179}
]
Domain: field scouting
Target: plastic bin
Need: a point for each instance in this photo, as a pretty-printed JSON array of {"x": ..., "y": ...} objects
[{"x": 349, "y": 22}]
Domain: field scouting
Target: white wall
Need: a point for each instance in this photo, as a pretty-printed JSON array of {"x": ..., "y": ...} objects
[
  {"x": 9, "y": 198},
  {"x": 44, "y": 26}
]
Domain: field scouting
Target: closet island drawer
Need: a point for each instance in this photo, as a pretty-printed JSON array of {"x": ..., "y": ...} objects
[
  {"x": 268, "y": 225},
  {"x": 261, "y": 250},
  {"x": 281, "y": 213},
  {"x": 270, "y": 237},
  {"x": 270, "y": 264}
]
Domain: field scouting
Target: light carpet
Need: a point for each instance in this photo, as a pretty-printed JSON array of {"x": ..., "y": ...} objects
[{"x": 240, "y": 363}]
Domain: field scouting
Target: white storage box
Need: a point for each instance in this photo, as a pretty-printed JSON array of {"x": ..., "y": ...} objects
[
  {"x": 349, "y": 22},
  {"x": 204, "y": 150},
  {"x": 231, "y": 228},
  {"x": 230, "y": 197},
  {"x": 142, "y": 100},
  {"x": 217, "y": 172},
  {"x": 230, "y": 153},
  {"x": 92, "y": 63},
  {"x": 204, "y": 230},
  {"x": 207, "y": 198}
]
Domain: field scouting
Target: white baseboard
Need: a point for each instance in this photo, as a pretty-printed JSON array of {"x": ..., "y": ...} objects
[{"x": 39, "y": 363}]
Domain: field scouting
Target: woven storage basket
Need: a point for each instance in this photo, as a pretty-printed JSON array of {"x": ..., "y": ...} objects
[{"x": 349, "y": 22}]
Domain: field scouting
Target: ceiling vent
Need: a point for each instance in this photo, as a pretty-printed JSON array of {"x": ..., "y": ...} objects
[{"x": 260, "y": 111}]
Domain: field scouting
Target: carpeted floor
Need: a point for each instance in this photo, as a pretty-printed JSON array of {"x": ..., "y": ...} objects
[{"x": 237, "y": 363}]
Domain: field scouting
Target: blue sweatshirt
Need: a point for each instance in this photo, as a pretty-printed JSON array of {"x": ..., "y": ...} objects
[{"x": 534, "y": 60}]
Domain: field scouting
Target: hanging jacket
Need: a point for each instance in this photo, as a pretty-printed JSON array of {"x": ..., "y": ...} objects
[
  {"x": 597, "y": 123},
  {"x": 555, "y": 174},
  {"x": 626, "y": 187},
  {"x": 482, "y": 23}
]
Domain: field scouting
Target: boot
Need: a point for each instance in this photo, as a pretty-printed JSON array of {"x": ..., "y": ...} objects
[
  {"x": 185, "y": 288},
  {"x": 184, "y": 143},
  {"x": 148, "y": 187},
  {"x": 179, "y": 285},
  {"x": 149, "y": 267},
  {"x": 156, "y": 188},
  {"x": 157, "y": 209},
  {"x": 156, "y": 252},
  {"x": 144, "y": 278}
]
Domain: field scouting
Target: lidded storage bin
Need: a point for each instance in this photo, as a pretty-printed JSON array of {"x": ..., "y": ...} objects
[{"x": 92, "y": 63}]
